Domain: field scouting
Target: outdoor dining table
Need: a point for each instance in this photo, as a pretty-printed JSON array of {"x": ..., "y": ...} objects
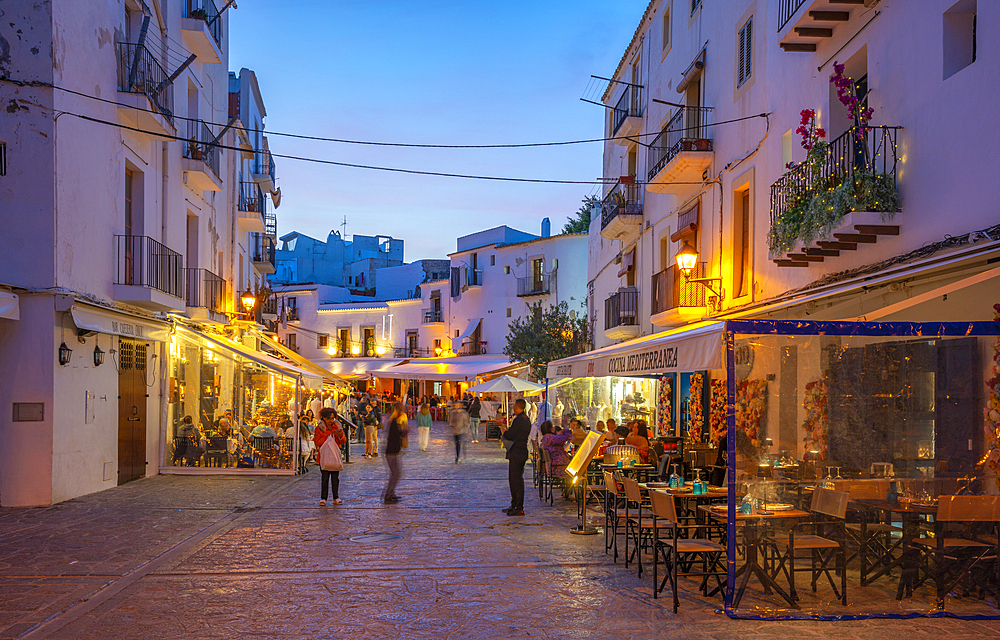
[
  {"x": 910, "y": 514},
  {"x": 640, "y": 471},
  {"x": 752, "y": 540},
  {"x": 689, "y": 499}
]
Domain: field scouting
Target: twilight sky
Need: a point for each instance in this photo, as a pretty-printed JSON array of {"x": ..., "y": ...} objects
[{"x": 418, "y": 71}]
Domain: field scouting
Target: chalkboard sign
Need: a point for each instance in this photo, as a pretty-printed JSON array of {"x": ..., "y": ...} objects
[{"x": 492, "y": 431}]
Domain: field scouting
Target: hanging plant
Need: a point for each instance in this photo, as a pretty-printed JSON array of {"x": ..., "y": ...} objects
[
  {"x": 816, "y": 423},
  {"x": 665, "y": 407},
  {"x": 696, "y": 423}
]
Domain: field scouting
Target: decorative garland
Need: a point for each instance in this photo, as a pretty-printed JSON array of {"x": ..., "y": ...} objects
[
  {"x": 816, "y": 424},
  {"x": 751, "y": 403},
  {"x": 992, "y": 410},
  {"x": 696, "y": 422},
  {"x": 665, "y": 407}
]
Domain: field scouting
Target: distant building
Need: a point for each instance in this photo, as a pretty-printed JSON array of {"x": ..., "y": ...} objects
[{"x": 335, "y": 262}]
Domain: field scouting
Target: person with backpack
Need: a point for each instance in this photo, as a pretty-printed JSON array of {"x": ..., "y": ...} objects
[{"x": 329, "y": 427}]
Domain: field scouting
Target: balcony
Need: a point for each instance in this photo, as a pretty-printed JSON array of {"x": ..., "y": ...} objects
[
  {"x": 674, "y": 300},
  {"x": 845, "y": 200},
  {"x": 148, "y": 274},
  {"x": 472, "y": 348},
  {"x": 201, "y": 158},
  {"x": 621, "y": 314},
  {"x": 205, "y": 295},
  {"x": 270, "y": 223},
  {"x": 263, "y": 170},
  {"x": 262, "y": 247},
  {"x": 627, "y": 115},
  {"x": 292, "y": 314},
  {"x": 146, "y": 98},
  {"x": 681, "y": 153},
  {"x": 803, "y": 24},
  {"x": 535, "y": 285},
  {"x": 201, "y": 25},
  {"x": 431, "y": 316},
  {"x": 473, "y": 278},
  {"x": 621, "y": 210},
  {"x": 267, "y": 308},
  {"x": 251, "y": 208},
  {"x": 413, "y": 352}
]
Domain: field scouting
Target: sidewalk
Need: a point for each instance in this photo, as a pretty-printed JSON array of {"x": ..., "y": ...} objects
[{"x": 236, "y": 557}]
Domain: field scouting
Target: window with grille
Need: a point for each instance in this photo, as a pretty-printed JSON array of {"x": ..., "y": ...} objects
[
  {"x": 3, "y": 158},
  {"x": 322, "y": 341},
  {"x": 744, "y": 65}
]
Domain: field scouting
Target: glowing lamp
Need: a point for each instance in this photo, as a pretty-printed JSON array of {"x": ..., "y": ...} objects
[
  {"x": 380, "y": 350},
  {"x": 331, "y": 350},
  {"x": 687, "y": 258},
  {"x": 248, "y": 300},
  {"x": 355, "y": 350}
]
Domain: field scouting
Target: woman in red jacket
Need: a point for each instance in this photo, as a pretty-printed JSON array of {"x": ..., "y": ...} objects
[{"x": 327, "y": 427}]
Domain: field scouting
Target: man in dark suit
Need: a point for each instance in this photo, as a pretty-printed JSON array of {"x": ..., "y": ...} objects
[{"x": 517, "y": 455}]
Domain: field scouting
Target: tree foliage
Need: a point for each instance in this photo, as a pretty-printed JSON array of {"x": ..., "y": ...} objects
[
  {"x": 579, "y": 222},
  {"x": 545, "y": 335}
]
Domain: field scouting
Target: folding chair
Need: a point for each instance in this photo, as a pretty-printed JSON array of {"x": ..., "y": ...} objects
[
  {"x": 825, "y": 544},
  {"x": 676, "y": 550},
  {"x": 614, "y": 522},
  {"x": 641, "y": 530}
]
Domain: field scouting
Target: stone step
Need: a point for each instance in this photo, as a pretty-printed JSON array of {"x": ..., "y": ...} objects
[
  {"x": 816, "y": 251},
  {"x": 878, "y": 229},
  {"x": 802, "y": 257},
  {"x": 840, "y": 246},
  {"x": 790, "y": 263},
  {"x": 856, "y": 237}
]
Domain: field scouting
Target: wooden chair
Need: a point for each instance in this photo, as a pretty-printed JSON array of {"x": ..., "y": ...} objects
[
  {"x": 536, "y": 458},
  {"x": 217, "y": 451},
  {"x": 614, "y": 520},
  {"x": 549, "y": 478},
  {"x": 964, "y": 548},
  {"x": 641, "y": 530},
  {"x": 825, "y": 544},
  {"x": 874, "y": 543},
  {"x": 677, "y": 550}
]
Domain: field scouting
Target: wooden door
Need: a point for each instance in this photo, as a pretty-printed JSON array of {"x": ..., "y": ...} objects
[{"x": 132, "y": 362}]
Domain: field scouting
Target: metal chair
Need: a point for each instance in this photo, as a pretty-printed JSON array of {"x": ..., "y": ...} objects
[
  {"x": 641, "y": 531},
  {"x": 614, "y": 522}
]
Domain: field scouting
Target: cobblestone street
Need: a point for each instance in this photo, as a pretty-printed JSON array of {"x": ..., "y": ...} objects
[{"x": 239, "y": 557}]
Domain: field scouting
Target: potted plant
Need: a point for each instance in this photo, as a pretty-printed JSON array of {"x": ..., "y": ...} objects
[
  {"x": 195, "y": 149},
  {"x": 199, "y": 14}
]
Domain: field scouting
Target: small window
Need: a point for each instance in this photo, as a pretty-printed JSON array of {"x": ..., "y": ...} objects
[
  {"x": 959, "y": 37},
  {"x": 508, "y": 312},
  {"x": 665, "y": 39},
  {"x": 555, "y": 263},
  {"x": 744, "y": 64},
  {"x": 290, "y": 342},
  {"x": 322, "y": 341},
  {"x": 506, "y": 270},
  {"x": 493, "y": 260},
  {"x": 694, "y": 5},
  {"x": 3, "y": 158}
]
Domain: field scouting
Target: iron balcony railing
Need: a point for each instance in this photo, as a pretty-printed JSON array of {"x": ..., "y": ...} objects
[
  {"x": 431, "y": 315},
  {"x": 139, "y": 72},
  {"x": 535, "y": 285},
  {"x": 472, "y": 348},
  {"x": 270, "y": 222},
  {"x": 207, "y": 11},
  {"x": 671, "y": 289},
  {"x": 473, "y": 277},
  {"x": 292, "y": 314},
  {"x": 873, "y": 152},
  {"x": 264, "y": 164},
  {"x": 787, "y": 9},
  {"x": 251, "y": 199},
  {"x": 267, "y": 306},
  {"x": 621, "y": 309},
  {"x": 687, "y": 130},
  {"x": 413, "y": 352},
  {"x": 144, "y": 262},
  {"x": 624, "y": 199},
  {"x": 200, "y": 145},
  {"x": 204, "y": 289},
  {"x": 263, "y": 248},
  {"x": 629, "y": 105}
]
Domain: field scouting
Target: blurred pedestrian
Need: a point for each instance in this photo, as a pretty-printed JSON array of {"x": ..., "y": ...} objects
[
  {"x": 475, "y": 409},
  {"x": 458, "y": 420},
  {"x": 424, "y": 426},
  {"x": 398, "y": 431}
]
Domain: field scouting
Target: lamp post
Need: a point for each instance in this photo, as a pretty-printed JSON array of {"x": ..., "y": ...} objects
[
  {"x": 249, "y": 300},
  {"x": 687, "y": 260}
]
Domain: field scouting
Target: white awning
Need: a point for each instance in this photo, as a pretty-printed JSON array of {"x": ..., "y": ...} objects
[
  {"x": 106, "y": 321},
  {"x": 287, "y": 368},
  {"x": 469, "y": 330},
  {"x": 298, "y": 359},
  {"x": 692, "y": 348},
  {"x": 8, "y": 306},
  {"x": 456, "y": 369},
  {"x": 358, "y": 368}
]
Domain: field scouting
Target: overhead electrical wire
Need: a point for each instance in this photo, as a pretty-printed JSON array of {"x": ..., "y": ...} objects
[{"x": 406, "y": 144}]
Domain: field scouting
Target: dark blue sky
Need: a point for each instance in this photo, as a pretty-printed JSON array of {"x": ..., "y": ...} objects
[{"x": 430, "y": 72}]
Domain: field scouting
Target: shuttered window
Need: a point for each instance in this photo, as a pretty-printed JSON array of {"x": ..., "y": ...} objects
[{"x": 745, "y": 62}]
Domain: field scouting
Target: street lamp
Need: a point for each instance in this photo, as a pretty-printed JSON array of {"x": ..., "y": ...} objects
[
  {"x": 380, "y": 350},
  {"x": 355, "y": 350},
  {"x": 687, "y": 260},
  {"x": 65, "y": 353},
  {"x": 98, "y": 356},
  {"x": 248, "y": 300}
]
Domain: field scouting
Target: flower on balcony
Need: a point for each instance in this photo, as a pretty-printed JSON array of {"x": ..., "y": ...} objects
[{"x": 849, "y": 98}]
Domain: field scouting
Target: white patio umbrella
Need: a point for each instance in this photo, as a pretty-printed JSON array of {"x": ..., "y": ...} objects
[{"x": 505, "y": 385}]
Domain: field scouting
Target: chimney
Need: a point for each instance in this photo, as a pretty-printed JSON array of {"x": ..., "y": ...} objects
[{"x": 546, "y": 228}]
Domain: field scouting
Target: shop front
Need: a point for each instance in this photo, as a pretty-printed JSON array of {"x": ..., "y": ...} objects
[
  {"x": 874, "y": 445},
  {"x": 231, "y": 407}
]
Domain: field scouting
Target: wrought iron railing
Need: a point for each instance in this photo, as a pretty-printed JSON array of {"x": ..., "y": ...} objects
[
  {"x": 535, "y": 285},
  {"x": 623, "y": 200},
  {"x": 204, "y": 289},
  {"x": 144, "y": 262},
  {"x": 687, "y": 130},
  {"x": 413, "y": 352},
  {"x": 292, "y": 314},
  {"x": 671, "y": 289},
  {"x": 787, "y": 9},
  {"x": 263, "y": 248},
  {"x": 207, "y": 11},
  {"x": 139, "y": 72},
  {"x": 270, "y": 221},
  {"x": 621, "y": 309},
  {"x": 629, "y": 105},
  {"x": 472, "y": 348},
  {"x": 431, "y": 315},
  {"x": 201, "y": 145},
  {"x": 250, "y": 198},
  {"x": 266, "y": 306},
  {"x": 264, "y": 164},
  {"x": 873, "y": 152}
]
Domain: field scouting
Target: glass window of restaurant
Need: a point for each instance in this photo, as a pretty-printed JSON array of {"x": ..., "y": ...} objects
[
  {"x": 863, "y": 475},
  {"x": 227, "y": 411}
]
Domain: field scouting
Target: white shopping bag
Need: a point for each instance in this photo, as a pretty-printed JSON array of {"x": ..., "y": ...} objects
[{"x": 329, "y": 456}]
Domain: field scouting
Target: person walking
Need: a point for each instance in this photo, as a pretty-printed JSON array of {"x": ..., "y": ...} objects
[
  {"x": 328, "y": 427},
  {"x": 424, "y": 425},
  {"x": 458, "y": 420},
  {"x": 370, "y": 422},
  {"x": 475, "y": 409},
  {"x": 394, "y": 444},
  {"x": 517, "y": 455}
]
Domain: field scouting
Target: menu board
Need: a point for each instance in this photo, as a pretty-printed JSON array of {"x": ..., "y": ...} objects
[{"x": 585, "y": 453}]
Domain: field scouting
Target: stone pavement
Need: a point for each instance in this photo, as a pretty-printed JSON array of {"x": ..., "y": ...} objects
[{"x": 256, "y": 557}]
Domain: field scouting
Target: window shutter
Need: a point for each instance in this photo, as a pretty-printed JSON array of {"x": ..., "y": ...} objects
[
  {"x": 748, "y": 57},
  {"x": 739, "y": 70},
  {"x": 456, "y": 282}
]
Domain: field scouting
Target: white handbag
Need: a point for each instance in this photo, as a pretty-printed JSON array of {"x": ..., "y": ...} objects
[{"x": 329, "y": 456}]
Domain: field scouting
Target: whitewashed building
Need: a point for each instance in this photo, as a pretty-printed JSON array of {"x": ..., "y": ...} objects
[{"x": 120, "y": 223}]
